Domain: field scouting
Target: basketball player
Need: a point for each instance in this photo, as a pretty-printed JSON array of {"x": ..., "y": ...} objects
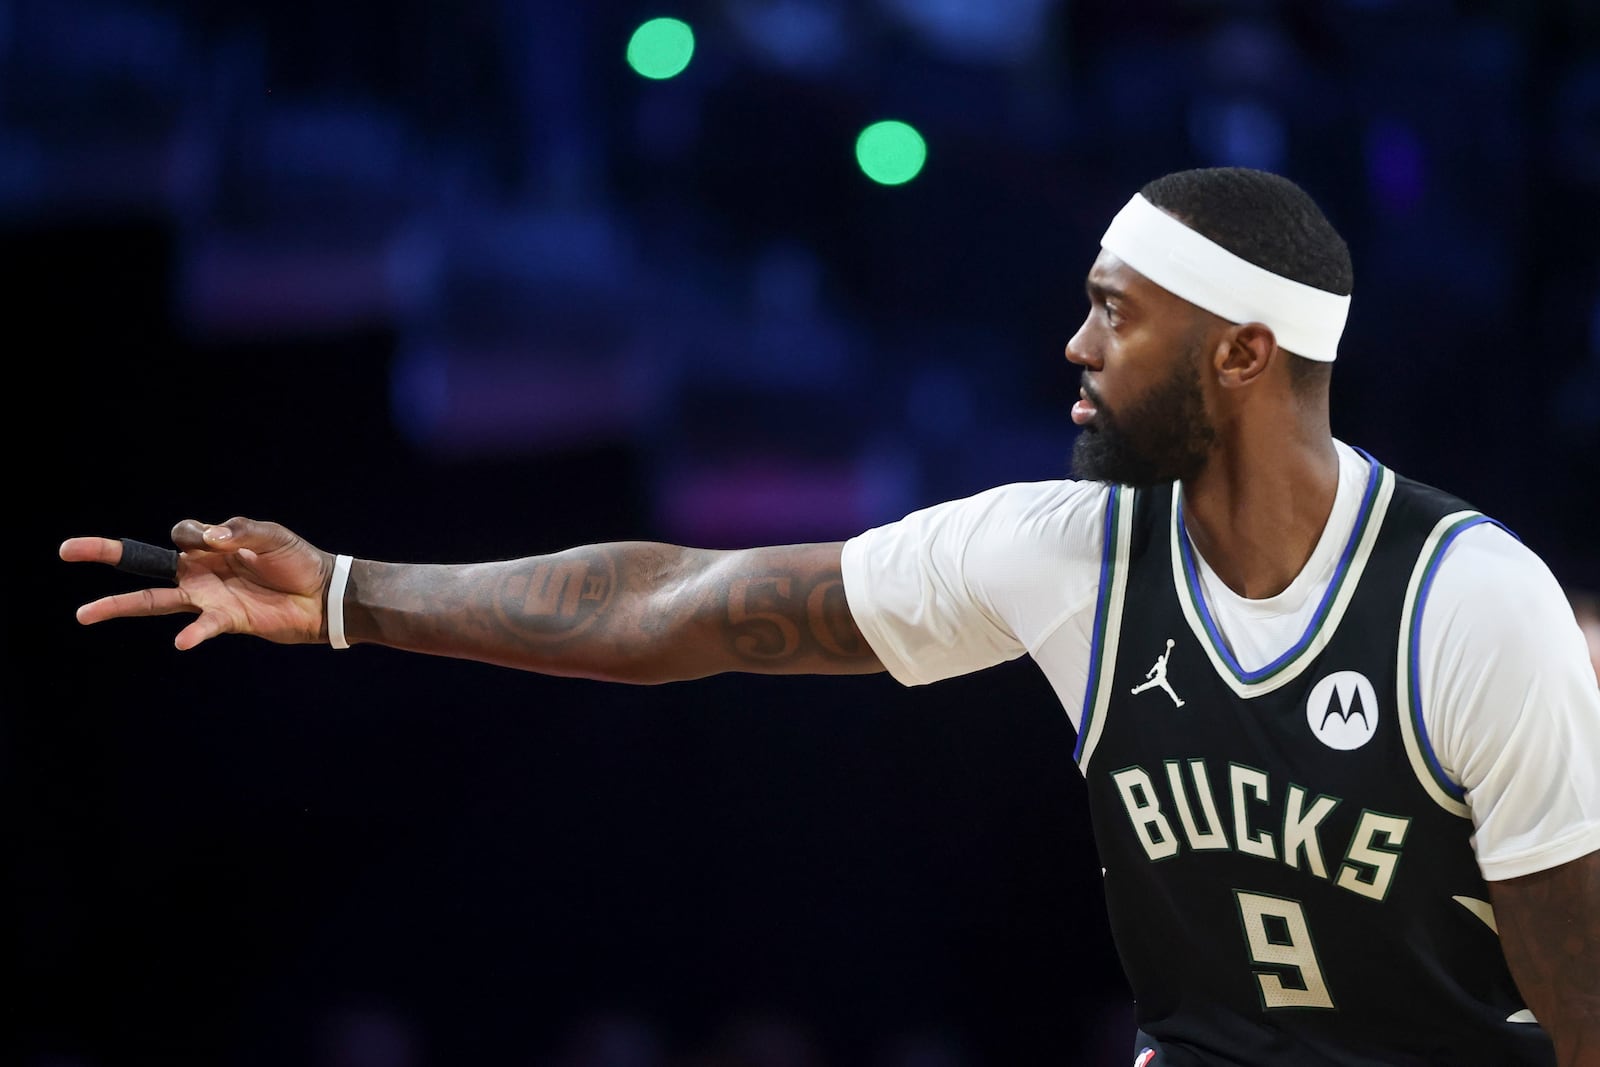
[{"x": 1339, "y": 729}]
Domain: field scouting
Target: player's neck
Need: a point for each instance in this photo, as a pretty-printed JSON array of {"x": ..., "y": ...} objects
[{"x": 1256, "y": 512}]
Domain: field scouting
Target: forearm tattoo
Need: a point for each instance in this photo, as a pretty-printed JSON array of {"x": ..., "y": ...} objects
[
  {"x": 777, "y": 617},
  {"x": 620, "y": 609},
  {"x": 555, "y": 599}
]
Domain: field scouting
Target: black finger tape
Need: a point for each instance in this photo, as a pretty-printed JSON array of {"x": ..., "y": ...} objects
[{"x": 151, "y": 561}]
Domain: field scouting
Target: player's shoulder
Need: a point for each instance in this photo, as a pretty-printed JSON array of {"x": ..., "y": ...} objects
[
  {"x": 1009, "y": 525},
  {"x": 1059, "y": 496},
  {"x": 1490, "y": 587},
  {"x": 1431, "y": 505},
  {"x": 1480, "y": 551},
  {"x": 1488, "y": 561},
  {"x": 1027, "y": 504},
  {"x": 1486, "y": 580}
]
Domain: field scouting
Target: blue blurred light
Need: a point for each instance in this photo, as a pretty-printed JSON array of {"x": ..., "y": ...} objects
[
  {"x": 976, "y": 31},
  {"x": 798, "y": 35},
  {"x": 1396, "y": 166},
  {"x": 1238, "y": 133}
]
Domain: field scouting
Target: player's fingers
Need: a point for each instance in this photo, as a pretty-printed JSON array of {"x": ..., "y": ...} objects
[
  {"x": 207, "y": 626},
  {"x": 140, "y": 602},
  {"x": 192, "y": 535},
  {"x": 240, "y": 532},
  {"x": 92, "y": 550},
  {"x": 189, "y": 535}
]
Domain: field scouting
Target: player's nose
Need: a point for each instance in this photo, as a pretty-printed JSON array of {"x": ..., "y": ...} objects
[{"x": 1078, "y": 350}]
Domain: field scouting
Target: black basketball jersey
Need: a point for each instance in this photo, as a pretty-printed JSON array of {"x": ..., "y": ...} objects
[{"x": 1288, "y": 871}]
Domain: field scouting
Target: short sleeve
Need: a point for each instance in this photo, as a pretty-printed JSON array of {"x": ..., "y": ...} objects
[
  {"x": 972, "y": 583},
  {"x": 1511, "y": 704}
]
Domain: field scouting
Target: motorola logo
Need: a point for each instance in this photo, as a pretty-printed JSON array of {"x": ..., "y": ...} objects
[{"x": 1343, "y": 710}]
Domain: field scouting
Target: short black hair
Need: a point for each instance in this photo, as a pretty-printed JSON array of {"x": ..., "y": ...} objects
[
  {"x": 1261, "y": 217},
  {"x": 1268, "y": 220}
]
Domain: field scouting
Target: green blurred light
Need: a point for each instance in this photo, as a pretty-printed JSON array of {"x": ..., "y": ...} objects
[
  {"x": 891, "y": 152},
  {"x": 661, "y": 48}
]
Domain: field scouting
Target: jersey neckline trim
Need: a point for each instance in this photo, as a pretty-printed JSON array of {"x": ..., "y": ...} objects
[{"x": 1341, "y": 587}]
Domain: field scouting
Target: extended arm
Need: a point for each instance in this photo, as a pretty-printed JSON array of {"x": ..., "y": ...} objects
[
  {"x": 1550, "y": 928},
  {"x": 634, "y": 611},
  {"x": 630, "y": 611}
]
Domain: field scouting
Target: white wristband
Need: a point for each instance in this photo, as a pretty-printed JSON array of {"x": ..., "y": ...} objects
[{"x": 341, "y": 577}]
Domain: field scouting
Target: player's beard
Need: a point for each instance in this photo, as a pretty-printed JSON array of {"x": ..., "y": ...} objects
[{"x": 1163, "y": 437}]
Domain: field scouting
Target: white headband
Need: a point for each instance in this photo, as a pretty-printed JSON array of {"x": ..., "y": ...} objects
[{"x": 1307, "y": 321}]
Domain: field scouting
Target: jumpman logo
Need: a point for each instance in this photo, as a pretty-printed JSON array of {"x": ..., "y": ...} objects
[{"x": 1158, "y": 676}]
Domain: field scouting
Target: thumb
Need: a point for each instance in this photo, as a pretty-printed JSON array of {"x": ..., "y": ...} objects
[
  {"x": 210, "y": 624},
  {"x": 220, "y": 538},
  {"x": 295, "y": 564},
  {"x": 242, "y": 533}
]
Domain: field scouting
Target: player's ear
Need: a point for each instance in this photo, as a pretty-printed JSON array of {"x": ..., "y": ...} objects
[{"x": 1244, "y": 352}]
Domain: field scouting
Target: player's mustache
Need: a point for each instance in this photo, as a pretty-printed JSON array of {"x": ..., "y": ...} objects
[{"x": 1090, "y": 392}]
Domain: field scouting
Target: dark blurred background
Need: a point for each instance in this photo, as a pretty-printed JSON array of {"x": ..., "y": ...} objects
[{"x": 450, "y": 280}]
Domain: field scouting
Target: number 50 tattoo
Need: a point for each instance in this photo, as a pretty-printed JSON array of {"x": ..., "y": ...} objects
[{"x": 772, "y": 620}]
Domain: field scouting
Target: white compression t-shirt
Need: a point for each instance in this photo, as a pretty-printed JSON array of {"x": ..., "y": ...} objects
[{"x": 1509, "y": 700}]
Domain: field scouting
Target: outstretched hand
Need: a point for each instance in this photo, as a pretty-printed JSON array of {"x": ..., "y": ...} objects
[{"x": 239, "y": 577}]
